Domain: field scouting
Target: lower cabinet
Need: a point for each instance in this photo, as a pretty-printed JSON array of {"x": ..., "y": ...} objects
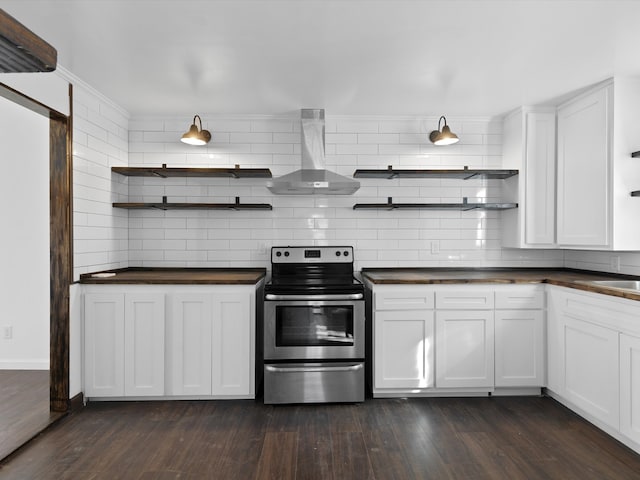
[
  {"x": 189, "y": 349},
  {"x": 584, "y": 355},
  {"x": 433, "y": 340},
  {"x": 404, "y": 353},
  {"x": 594, "y": 359},
  {"x": 144, "y": 344},
  {"x": 103, "y": 345},
  {"x": 233, "y": 344},
  {"x": 200, "y": 346},
  {"x": 124, "y": 344},
  {"x": 590, "y": 365},
  {"x": 464, "y": 349},
  {"x": 630, "y": 387},
  {"x": 519, "y": 348}
]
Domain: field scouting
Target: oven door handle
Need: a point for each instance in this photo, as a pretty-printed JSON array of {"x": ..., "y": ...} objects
[
  {"x": 352, "y": 296},
  {"x": 348, "y": 368}
]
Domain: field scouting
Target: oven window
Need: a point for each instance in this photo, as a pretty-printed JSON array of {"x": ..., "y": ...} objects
[{"x": 300, "y": 326}]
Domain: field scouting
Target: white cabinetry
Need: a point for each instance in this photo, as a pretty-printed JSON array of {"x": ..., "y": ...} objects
[
  {"x": 630, "y": 386},
  {"x": 594, "y": 348},
  {"x": 590, "y": 366},
  {"x": 103, "y": 344},
  {"x": 144, "y": 344},
  {"x": 519, "y": 337},
  {"x": 597, "y": 131},
  {"x": 464, "y": 338},
  {"x": 189, "y": 343},
  {"x": 444, "y": 339},
  {"x": 529, "y": 145},
  {"x": 201, "y": 347},
  {"x": 403, "y": 337},
  {"x": 233, "y": 343},
  {"x": 124, "y": 344},
  {"x": 404, "y": 349}
]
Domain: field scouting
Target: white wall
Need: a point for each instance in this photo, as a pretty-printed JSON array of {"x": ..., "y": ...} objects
[
  {"x": 24, "y": 244},
  {"x": 381, "y": 238},
  {"x": 100, "y": 141}
]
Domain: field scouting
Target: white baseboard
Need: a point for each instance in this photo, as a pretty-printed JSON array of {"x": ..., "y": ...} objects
[{"x": 24, "y": 364}]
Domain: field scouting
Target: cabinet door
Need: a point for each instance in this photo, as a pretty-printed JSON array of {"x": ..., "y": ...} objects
[
  {"x": 144, "y": 344},
  {"x": 630, "y": 387},
  {"x": 540, "y": 179},
  {"x": 403, "y": 349},
  {"x": 104, "y": 345},
  {"x": 464, "y": 348},
  {"x": 189, "y": 344},
  {"x": 519, "y": 348},
  {"x": 590, "y": 366},
  {"x": 233, "y": 344},
  {"x": 583, "y": 170}
]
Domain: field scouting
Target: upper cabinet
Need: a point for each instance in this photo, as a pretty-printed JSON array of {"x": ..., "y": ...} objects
[
  {"x": 597, "y": 132},
  {"x": 578, "y": 181},
  {"x": 529, "y": 145}
]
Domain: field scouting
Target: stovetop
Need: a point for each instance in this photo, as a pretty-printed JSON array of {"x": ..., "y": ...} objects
[{"x": 313, "y": 270}]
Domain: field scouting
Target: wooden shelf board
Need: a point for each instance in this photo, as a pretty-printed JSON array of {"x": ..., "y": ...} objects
[
  {"x": 463, "y": 174},
  {"x": 434, "y": 206},
  {"x": 194, "y": 206},
  {"x": 166, "y": 172}
]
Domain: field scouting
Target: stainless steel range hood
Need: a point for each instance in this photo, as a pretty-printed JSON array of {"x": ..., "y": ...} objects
[{"x": 313, "y": 178}]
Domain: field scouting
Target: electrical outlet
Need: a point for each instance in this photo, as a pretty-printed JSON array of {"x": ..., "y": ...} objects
[{"x": 7, "y": 332}]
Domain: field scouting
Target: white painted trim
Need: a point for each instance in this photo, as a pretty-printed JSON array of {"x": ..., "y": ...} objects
[
  {"x": 75, "y": 80},
  {"x": 32, "y": 364}
]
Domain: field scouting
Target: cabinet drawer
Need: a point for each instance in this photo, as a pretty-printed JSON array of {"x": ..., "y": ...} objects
[
  {"x": 464, "y": 299},
  {"x": 401, "y": 297},
  {"x": 527, "y": 297}
]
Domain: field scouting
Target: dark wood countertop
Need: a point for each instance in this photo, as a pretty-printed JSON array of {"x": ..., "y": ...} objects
[
  {"x": 179, "y": 276},
  {"x": 560, "y": 276}
]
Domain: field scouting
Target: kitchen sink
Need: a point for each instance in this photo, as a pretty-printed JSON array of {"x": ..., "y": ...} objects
[{"x": 622, "y": 284}]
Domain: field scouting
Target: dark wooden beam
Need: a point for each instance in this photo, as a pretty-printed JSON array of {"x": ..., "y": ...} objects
[
  {"x": 61, "y": 259},
  {"x": 21, "y": 50}
]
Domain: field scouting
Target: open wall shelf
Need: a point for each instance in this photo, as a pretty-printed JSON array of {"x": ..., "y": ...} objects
[
  {"x": 461, "y": 174},
  {"x": 164, "y": 205},
  {"x": 464, "y": 206},
  {"x": 164, "y": 172}
]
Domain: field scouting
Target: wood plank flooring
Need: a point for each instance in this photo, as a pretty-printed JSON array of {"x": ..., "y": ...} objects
[
  {"x": 439, "y": 438},
  {"x": 24, "y": 407}
]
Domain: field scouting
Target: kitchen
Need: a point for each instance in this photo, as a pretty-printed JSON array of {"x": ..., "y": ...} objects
[{"x": 358, "y": 136}]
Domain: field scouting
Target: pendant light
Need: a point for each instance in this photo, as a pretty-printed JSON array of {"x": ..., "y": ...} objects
[
  {"x": 196, "y": 136},
  {"x": 444, "y": 136}
]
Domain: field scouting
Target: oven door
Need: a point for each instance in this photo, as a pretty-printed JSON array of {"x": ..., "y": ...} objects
[{"x": 324, "y": 327}]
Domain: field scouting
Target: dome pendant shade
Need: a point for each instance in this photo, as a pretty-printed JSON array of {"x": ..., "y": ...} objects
[
  {"x": 444, "y": 136},
  {"x": 196, "y": 136}
]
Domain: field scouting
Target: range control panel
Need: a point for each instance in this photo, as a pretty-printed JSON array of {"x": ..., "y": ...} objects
[{"x": 311, "y": 254}]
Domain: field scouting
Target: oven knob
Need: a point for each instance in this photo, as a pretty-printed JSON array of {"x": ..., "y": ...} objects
[
  {"x": 346, "y": 253},
  {"x": 278, "y": 254},
  {"x": 337, "y": 253},
  {"x": 286, "y": 254}
]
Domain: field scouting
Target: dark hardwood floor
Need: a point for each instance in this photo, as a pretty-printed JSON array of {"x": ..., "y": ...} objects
[
  {"x": 24, "y": 407},
  {"x": 440, "y": 438}
]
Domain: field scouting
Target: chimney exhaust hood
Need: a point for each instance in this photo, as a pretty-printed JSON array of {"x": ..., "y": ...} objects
[
  {"x": 21, "y": 50},
  {"x": 313, "y": 178}
]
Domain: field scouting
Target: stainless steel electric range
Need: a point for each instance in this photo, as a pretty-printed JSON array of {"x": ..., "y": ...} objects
[{"x": 314, "y": 327}]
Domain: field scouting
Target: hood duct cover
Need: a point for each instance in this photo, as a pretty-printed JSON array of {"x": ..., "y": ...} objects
[
  {"x": 21, "y": 50},
  {"x": 313, "y": 178}
]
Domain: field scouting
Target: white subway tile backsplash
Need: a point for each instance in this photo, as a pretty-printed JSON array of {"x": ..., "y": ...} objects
[{"x": 217, "y": 238}]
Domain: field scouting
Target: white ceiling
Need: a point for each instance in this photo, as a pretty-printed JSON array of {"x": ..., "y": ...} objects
[{"x": 388, "y": 57}]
